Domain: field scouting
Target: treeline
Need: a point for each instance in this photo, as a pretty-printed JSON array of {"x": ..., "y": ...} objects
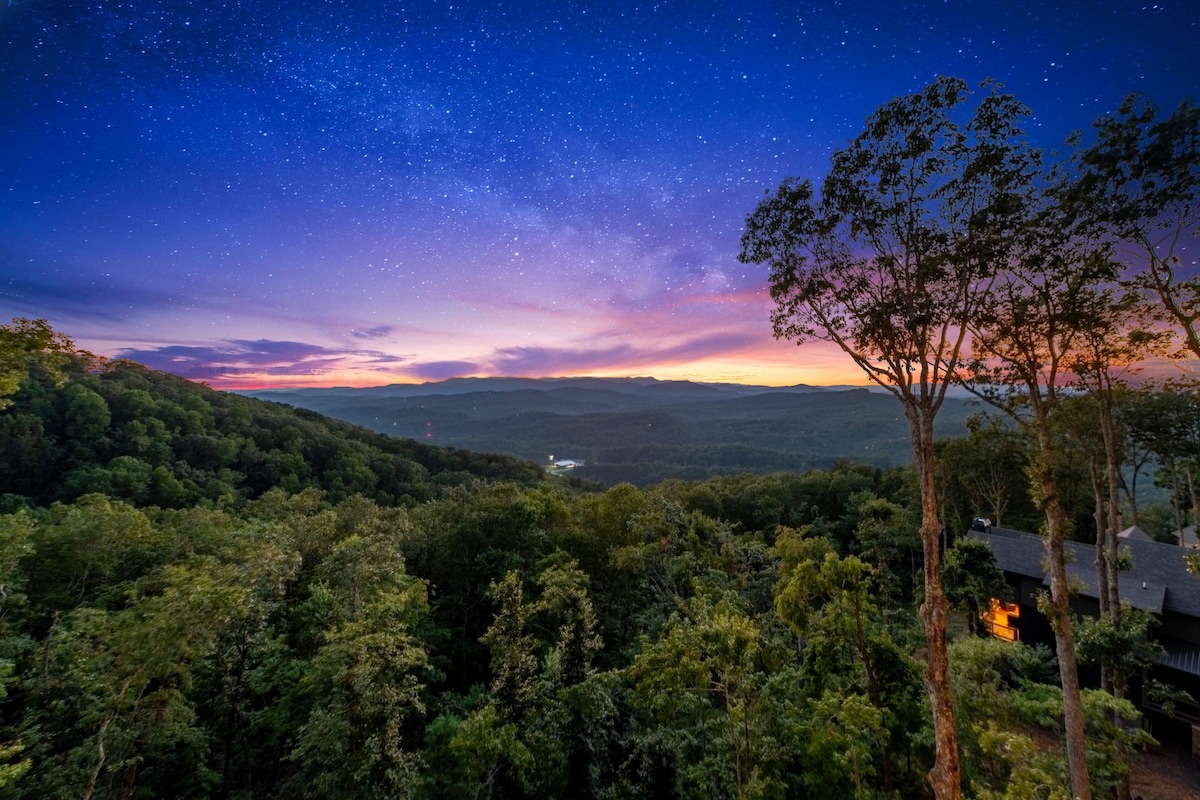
[{"x": 648, "y": 464}]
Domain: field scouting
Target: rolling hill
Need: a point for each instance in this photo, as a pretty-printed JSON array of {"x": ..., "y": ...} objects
[{"x": 639, "y": 430}]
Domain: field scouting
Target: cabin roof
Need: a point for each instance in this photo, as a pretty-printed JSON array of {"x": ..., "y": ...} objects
[{"x": 1158, "y": 580}]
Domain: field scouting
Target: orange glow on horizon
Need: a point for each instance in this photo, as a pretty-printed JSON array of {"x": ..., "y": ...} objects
[
  {"x": 821, "y": 371},
  {"x": 770, "y": 363},
  {"x": 718, "y": 374}
]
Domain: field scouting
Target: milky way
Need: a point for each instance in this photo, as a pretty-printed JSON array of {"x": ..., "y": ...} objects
[{"x": 267, "y": 193}]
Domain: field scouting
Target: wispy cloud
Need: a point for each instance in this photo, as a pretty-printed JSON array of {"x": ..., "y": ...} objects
[
  {"x": 59, "y": 292},
  {"x": 234, "y": 360},
  {"x": 441, "y": 370},
  {"x": 534, "y": 361},
  {"x": 375, "y": 333},
  {"x": 625, "y": 356}
]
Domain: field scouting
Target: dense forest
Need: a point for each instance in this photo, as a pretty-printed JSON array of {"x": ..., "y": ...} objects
[
  {"x": 143, "y": 436},
  {"x": 206, "y": 595}
]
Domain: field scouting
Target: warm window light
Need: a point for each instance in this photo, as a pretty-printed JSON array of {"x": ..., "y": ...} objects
[{"x": 1002, "y": 620}]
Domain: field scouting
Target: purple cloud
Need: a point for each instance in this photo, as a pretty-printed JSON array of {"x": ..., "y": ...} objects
[
  {"x": 236, "y": 359},
  {"x": 538, "y": 361},
  {"x": 556, "y": 361},
  {"x": 441, "y": 370},
  {"x": 377, "y": 332}
]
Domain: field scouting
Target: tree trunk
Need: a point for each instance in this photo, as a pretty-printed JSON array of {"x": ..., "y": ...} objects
[
  {"x": 1064, "y": 645},
  {"x": 1190, "y": 472},
  {"x": 1176, "y": 504},
  {"x": 1117, "y": 680},
  {"x": 101, "y": 756},
  {"x": 1060, "y": 611},
  {"x": 1112, "y": 474},
  {"x": 1100, "y": 514},
  {"x": 945, "y": 777}
]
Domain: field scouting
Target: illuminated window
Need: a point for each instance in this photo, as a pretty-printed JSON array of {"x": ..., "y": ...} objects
[{"x": 1003, "y": 619}]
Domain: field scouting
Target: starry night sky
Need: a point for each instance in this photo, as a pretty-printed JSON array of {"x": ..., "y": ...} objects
[{"x": 271, "y": 193}]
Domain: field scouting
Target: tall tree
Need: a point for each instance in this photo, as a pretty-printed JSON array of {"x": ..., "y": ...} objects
[
  {"x": 985, "y": 472},
  {"x": 1108, "y": 349},
  {"x": 107, "y": 713},
  {"x": 369, "y": 675},
  {"x": 702, "y": 680},
  {"x": 1138, "y": 185},
  {"x": 828, "y": 603},
  {"x": 1167, "y": 424},
  {"x": 1056, "y": 291},
  {"x": 890, "y": 263}
]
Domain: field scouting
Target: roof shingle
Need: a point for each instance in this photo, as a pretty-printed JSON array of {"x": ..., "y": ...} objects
[{"x": 1158, "y": 580}]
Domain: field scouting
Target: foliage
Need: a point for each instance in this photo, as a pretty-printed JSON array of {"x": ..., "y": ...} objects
[
  {"x": 30, "y": 345},
  {"x": 1136, "y": 184},
  {"x": 368, "y": 681},
  {"x": 973, "y": 580},
  {"x": 1124, "y": 645},
  {"x": 1012, "y": 760},
  {"x": 985, "y": 473}
]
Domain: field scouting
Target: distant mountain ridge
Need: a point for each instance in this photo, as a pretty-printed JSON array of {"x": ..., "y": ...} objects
[
  {"x": 453, "y": 386},
  {"x": 640, "y": 430}
]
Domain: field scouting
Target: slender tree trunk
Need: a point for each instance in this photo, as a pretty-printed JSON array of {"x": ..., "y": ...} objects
[
  {"x": 1176, "y": 506},
  {"x": 1112, "y": 474},
  {"x": 101, "y": 756},
  {"x": 1131, "y": 492},
  {"x": 1060, "y": 611},
  {"x": 1190, "y": 472},
  {"x": 1064, "y": 639},
  {"x": 1100, "y": 515},
  {"x": 945, "y": 777},
  {"x": 1117, "y": 679}
]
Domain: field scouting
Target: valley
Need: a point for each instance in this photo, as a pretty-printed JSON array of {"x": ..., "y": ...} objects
[{"x": 638, "y": 430}]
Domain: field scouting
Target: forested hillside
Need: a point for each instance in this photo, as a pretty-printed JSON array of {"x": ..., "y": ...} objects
[
  {"x": 640, "y": 430},
  {"x": 209, "y": 596},
  {"x": 151, "y": 438}
]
